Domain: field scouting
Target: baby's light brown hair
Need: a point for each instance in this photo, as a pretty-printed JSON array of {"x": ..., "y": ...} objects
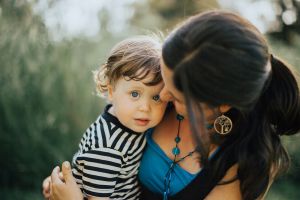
[{"x": 134, "y": 59}]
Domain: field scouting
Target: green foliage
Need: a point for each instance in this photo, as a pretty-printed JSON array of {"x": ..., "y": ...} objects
[
  {"x": 46, "y": 97},
  {"x": 9, "y": 194},
  {"x": 168, "y": 12}
]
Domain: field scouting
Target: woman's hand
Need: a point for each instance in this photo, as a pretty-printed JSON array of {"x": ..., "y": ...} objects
[
  {"x": 46, "y": 187},
  {"x": 67, "y": 188},
  {"x": 47, "y": 184}
]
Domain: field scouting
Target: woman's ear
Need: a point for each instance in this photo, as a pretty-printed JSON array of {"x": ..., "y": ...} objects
[
  {"x": 224, "y": 108},
  {"x": 110, "y": 91}
]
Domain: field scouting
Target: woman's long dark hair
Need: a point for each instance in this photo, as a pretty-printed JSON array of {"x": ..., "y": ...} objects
[{"x": 219, "y": 58}]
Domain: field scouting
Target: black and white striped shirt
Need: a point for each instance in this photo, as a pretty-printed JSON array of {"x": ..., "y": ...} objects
[{"x": 108, "y": 159}]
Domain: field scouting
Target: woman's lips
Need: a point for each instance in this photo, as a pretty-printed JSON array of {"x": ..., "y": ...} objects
[{"x": 142, "y": 122}]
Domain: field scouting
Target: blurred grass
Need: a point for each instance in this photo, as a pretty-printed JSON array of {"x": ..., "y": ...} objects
[
  {"x": 46, "y": 98},
  {"x": 11, "y": 194},
  {"x": 283, "y": 190}
]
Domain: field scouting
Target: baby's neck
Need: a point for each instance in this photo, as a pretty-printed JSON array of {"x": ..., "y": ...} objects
[{"x": 111, "y": 110}]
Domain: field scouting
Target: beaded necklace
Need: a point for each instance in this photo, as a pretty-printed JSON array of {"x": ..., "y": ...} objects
[{"x": 175, "y": 152}]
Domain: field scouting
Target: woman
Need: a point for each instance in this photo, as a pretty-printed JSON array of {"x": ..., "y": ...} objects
[{"x": 235, "y": 100}]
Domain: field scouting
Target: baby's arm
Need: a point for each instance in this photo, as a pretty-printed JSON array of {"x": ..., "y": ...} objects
[
  {"x": 98, "y": 198},
  {"x": 100, "y": 171}
]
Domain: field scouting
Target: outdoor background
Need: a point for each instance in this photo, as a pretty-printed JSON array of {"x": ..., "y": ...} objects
[{"x": 48, "y": 50}]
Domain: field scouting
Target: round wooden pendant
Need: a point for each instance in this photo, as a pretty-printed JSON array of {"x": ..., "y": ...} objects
[{"x": 223, "y": 125}]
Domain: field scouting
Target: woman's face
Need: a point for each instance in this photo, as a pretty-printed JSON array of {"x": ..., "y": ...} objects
[{"x": 169, "y": 91}]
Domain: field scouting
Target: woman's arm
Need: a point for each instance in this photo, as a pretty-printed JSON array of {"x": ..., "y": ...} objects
[{"x": 230, "y": 191}]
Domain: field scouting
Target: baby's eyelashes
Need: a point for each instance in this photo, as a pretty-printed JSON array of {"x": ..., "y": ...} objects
[{"x": 135, "y": 94}]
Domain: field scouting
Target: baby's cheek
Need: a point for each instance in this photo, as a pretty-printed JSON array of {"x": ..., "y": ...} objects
[{"x": 160, "y": 113}]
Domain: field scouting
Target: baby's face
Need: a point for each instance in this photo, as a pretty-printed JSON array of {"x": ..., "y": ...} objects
[{"x": 136, "y": 105}]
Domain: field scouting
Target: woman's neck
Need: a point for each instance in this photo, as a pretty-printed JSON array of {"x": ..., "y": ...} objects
[{"x": 189, "y": 142}]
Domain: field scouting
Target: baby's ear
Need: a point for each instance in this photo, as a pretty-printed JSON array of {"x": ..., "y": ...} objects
[{"x": 110, "y": 91}]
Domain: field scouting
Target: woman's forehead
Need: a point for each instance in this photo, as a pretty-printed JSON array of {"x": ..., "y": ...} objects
[{"x": 167, "y": 75}]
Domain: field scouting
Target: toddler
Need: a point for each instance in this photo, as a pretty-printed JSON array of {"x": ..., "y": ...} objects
[{"x": 106, "y": 164}]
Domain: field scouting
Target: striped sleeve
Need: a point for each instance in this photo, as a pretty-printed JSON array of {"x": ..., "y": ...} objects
[
  {"x": 100, "y": 169},
  {"x": 77, "y": 171}
]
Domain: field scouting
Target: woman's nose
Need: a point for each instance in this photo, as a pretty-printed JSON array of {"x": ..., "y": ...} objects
[{"x": 165, "y": 95}]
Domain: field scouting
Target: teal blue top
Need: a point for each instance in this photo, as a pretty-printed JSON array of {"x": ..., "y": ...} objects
[{"x": 154, "y": 166}]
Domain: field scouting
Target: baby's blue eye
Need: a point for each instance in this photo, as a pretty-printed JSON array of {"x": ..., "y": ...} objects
[
  {"x": 156, "y": 98},
  {"x": 134, "y": 94}
]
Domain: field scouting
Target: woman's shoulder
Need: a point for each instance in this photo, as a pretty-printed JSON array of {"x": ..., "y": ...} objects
[{"x": 231, "y": 188}]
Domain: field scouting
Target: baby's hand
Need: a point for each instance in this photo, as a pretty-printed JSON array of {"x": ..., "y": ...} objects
[{"x": 47, "y": 183}]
